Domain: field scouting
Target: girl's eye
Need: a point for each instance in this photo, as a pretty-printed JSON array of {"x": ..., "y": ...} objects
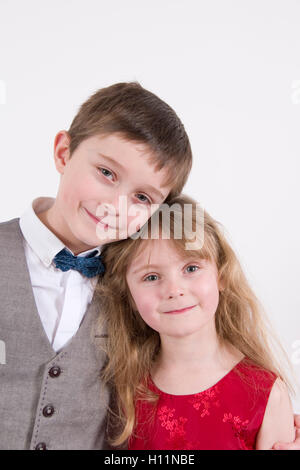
[
  {"x": 147, "y": 278},
  {"x": 146, "y": 199},
  {"x": 105, "y": 172},
  {"x": 193, "y": 266}
]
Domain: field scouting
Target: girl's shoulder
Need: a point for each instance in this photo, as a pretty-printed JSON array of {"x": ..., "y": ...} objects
[
  {"x": 249, "y": 375},
  {"x": 252, "y": 369}
]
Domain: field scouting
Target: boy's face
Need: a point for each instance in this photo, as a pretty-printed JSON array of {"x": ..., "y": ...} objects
[
  {"x": 100, "y": 171},
  {"x": 176, "y": 296}
]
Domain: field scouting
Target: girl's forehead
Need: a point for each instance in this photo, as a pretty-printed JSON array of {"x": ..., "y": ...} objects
[
  {"x": 161, "y": 252},
  {"x": 157, "y": 248}
]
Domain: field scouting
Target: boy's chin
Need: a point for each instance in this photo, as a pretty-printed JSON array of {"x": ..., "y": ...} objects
[
  {"x": 103, "y": 238},
  {"x": 113, "y": 236},
  {"x": 106, "y": 241}
]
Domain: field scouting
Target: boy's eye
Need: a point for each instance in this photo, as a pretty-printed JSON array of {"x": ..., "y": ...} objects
[
  {"x": 144, "y": 198},
  {"x": 109, "y": 174},
  {"x": 105, "y": 172}
]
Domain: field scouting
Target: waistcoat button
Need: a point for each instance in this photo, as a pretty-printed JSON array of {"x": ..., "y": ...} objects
[
  {"x": 54, "y": 371},
  {"x": 41, "y": 446},
  {"x": 48, "y": 411}
]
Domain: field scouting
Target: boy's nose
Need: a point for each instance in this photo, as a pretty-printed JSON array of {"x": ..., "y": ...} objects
[{"x": 108, "y": 208}]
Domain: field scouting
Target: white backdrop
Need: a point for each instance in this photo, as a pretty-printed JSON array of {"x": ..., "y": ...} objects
[{"x": 231, "y": 71}]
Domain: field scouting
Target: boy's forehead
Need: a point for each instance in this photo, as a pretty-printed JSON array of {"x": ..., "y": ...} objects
[{"x": 121, "y": 146}]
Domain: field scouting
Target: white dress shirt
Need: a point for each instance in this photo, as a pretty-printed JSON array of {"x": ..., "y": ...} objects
[{"x": 61, "y": 297}]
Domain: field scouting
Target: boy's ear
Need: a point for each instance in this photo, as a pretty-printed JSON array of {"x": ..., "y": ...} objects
[{"x": 61, "y": 150}]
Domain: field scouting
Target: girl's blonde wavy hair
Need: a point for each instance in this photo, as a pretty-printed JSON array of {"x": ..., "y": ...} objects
[{"x": 132, "y": 345}]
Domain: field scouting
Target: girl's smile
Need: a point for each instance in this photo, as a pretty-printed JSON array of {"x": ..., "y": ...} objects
[{"x": 182, "y": 310}]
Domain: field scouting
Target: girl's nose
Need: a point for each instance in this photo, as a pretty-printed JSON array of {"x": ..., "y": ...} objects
[
  {"x": 175, "y": 295},
  {"x": 174, "y": 290}
]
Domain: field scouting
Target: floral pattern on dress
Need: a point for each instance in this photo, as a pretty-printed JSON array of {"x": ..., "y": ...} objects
[
  {"x": 239, "y": 428},
  {"x": 175, "y": 427},
  {"x": 203, "y": 401},
  {"x": 226, "y": 416}
]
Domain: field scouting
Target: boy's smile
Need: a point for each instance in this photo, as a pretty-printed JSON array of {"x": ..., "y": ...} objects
[{"x": 103, "y": 172}]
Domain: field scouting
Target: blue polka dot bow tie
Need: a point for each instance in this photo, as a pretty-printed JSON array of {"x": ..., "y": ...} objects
[{"x": 89, "y": 266}]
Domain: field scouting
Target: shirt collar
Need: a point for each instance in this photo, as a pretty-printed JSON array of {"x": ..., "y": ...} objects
[{"x": 42, "y": 241}]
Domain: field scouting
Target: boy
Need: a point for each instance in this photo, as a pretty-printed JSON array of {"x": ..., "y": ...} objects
[{"x": 125, "y": 142}]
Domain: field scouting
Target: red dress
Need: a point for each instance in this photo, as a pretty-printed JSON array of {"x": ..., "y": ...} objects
[{"x": 228, "y": 415}]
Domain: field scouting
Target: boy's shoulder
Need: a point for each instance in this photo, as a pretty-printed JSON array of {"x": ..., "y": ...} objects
[
  {"x": 9, "y": 225},
  {"x": 12, "y": 256},
  {"x": 10, "y": 233}
]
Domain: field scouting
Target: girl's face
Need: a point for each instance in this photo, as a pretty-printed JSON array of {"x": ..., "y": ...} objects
[{"x": 175, "y": 296}]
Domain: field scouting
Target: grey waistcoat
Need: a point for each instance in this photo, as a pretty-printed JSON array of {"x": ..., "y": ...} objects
[{"x": 46, "y": 398}]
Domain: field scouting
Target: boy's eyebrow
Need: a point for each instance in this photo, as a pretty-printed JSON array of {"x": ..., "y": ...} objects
[
  {"x": 153, "y": 190},
  {"x": 112, "y": 161},
  {"x": 123, "y": 169}
]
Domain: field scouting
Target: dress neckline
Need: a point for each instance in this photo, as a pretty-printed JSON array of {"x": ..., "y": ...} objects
[{"x": 228, "y": 374}]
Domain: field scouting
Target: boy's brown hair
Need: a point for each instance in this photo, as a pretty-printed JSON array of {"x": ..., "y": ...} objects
[{"x": 139, "y": 116}]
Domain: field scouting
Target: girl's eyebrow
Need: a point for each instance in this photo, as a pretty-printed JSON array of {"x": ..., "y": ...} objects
[
  {"x": 147, "y": 266},
  {"x": 155, "y": 266}
]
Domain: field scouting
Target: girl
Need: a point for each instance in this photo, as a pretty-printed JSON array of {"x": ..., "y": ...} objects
[{"x": 187, "y": 344}]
